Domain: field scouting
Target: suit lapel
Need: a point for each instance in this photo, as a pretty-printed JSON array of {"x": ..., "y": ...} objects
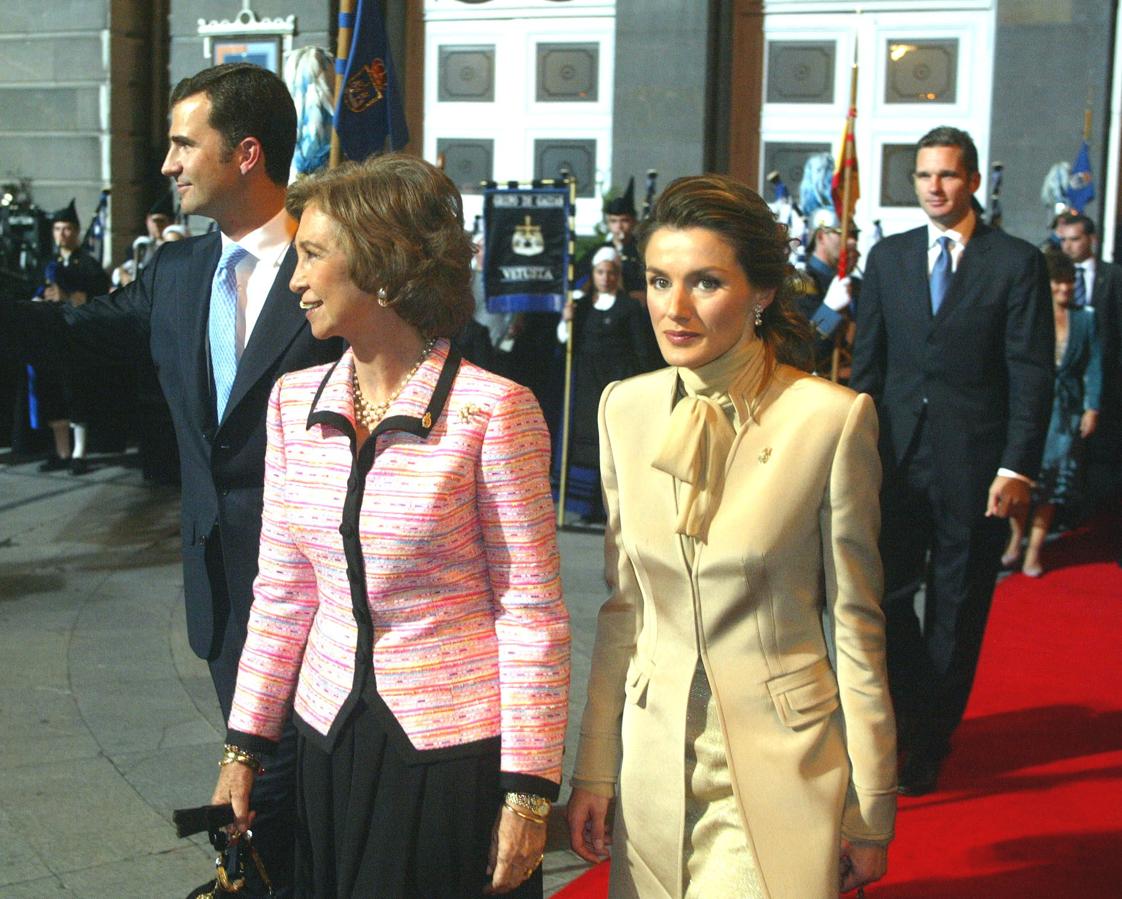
[
  {"x": 913, "y": 271},
  {"x": 1098, "y": 288},
  {"x": 193, "y": 313},
  {"x": 280, "y": 320}
]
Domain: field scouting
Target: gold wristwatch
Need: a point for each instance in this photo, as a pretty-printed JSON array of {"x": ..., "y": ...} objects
[{"x": 528, "y": 802}]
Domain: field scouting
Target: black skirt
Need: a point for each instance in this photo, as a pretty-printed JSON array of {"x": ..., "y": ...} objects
[{"x": 375, "y": 821}]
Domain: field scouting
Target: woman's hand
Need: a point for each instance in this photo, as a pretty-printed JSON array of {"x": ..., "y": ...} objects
[
  {"x": 517, "y": 847},
  {"x": 1088, "y": 423},
  {"x": 861, "y": 864},
  {"x": 234, "y": 785},
  {"x": 588, "y": 817}
]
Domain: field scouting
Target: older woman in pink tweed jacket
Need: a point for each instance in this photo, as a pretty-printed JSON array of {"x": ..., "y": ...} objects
[{"x": 408, "y": 607}]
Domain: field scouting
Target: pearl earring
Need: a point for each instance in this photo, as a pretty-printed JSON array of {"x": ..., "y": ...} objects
[{"x": 759, "y": 310}]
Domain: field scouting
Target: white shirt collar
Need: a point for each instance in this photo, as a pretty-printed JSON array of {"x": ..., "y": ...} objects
[
  {"x": 270, "y": 242},
  {"x": 604, "y": 302},
  {"x": 960, "y": 235}
]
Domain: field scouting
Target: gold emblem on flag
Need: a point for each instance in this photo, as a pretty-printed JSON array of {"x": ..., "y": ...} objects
[
  {"x": 367, "y": 87},
  {"x": 527, "y": 239}
]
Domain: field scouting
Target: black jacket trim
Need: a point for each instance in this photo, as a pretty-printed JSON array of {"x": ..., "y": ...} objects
[
  {"x": 513, "y": 782},
  {"x": 251, "y": 742},
  {"x": 362, "y": 461}
]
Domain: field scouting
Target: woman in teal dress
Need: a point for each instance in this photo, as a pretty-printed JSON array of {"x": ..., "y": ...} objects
[{"x": 1075, "y": 415}]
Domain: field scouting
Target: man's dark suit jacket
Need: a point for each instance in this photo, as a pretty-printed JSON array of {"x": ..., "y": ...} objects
[
  {"x": 223, "y": 463},
  {"x": 981, "y": 370},
  {"x": 1105, "y": 445}
]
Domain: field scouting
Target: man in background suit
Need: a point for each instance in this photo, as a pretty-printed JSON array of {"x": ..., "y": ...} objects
[
  {"x": 954, "y": 343},
  {"x": 1099, "y": 284},
  {"x": 221, "y": 324}
]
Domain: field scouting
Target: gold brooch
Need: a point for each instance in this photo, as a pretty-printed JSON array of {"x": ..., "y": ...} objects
[
  {"x": 467, "y": 412},
  {"x": 765, "y": 454},
  {"x": 426, "y": 422}
]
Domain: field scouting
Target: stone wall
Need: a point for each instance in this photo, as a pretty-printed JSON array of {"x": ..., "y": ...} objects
[
  {"x": 661, "y": 76},
  {"x": 54, "y": 90},
  {"x": 1049, "y": 55},
  {"x": 314, "y": 20}
]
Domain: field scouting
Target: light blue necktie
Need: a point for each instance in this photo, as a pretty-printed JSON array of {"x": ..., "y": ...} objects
[
  {"x": 1080, "y": 287},
  {"x": 941, "y": 275},
  {"x": 222, "y": 326}
]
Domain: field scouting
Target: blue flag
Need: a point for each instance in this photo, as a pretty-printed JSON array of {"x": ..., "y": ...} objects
[
  {"x": 1081, "y": 186},
  {"x": 369, "y": 108},
  {"x": 526, "y": 256},
  {"x": 94, "y": 241}
]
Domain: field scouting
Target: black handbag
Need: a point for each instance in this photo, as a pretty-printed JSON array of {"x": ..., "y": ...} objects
[{"x": 236, "y": 854}]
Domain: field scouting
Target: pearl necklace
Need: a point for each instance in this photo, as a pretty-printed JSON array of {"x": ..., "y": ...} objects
[{"x": 368, "y": 414}]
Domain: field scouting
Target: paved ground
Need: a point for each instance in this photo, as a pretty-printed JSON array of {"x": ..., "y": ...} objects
[{"x": 107, "y": 720}]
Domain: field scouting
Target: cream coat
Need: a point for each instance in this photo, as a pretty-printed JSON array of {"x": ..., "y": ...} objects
[{"x": 811, "y": 744}]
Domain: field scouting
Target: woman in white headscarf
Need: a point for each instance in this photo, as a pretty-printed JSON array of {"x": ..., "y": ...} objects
[{"x": 613, "y": 340}]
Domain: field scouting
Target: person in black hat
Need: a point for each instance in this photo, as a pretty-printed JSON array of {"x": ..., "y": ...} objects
[
  {"x": 621, "y": 219},
  {"x": 71, "y": 276},
  {"x": 159, "y": 217}
]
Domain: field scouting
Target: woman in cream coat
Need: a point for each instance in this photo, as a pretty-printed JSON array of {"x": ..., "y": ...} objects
[{"x": 745, "y": 758}]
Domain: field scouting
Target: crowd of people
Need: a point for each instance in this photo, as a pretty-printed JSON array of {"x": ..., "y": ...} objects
[{"x": 369, "y": 553}]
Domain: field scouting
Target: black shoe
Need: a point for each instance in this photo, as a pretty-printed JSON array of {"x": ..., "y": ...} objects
[
  {"x": 919, "y": 775},
  {"x": 55, "y": 464},
  {"x": 79, "y": 466}
]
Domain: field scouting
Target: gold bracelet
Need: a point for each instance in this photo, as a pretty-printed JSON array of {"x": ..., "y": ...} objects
[
  {"x": 524, "y": 814},
  {"x": 530, "y": 802},
  {"x": 235, "y": 755}
]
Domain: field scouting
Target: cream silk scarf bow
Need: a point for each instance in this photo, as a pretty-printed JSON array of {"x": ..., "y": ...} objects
[{"x": 700, "y": 432}]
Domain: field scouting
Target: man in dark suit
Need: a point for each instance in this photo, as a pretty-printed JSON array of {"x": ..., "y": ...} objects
[
  {"x": 954, "y": 342},
  {"x": 221, "y": 325},
  {"x": 1099, "y": 284}
]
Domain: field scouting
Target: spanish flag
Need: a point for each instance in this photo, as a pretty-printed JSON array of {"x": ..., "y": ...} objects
[
  {"x": 846, "y": 201},
  {"x": 846, "y": 159}
]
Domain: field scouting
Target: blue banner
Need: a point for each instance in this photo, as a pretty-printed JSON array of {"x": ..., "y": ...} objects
[
  {"x": 94, "y": 241},
  {"x": 1081, "y": 186},
  {"x": 369, "y": 109},
  {"x": 526, "y": 248}
]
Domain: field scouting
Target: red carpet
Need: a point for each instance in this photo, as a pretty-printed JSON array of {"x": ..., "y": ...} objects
[{"x": 1030, "y": 801}]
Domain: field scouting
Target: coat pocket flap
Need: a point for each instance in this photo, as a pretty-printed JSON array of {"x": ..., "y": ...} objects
[{"x": 805, "y": 696}]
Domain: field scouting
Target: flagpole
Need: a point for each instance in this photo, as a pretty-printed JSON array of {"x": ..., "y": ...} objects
[
  {"x": 847, "y": 189},
  {"x": 563, "y": 486},
  {"x": 343, "y": 51}
]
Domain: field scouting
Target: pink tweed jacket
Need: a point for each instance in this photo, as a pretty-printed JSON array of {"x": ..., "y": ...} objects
[{"x": 459, "y": 593}]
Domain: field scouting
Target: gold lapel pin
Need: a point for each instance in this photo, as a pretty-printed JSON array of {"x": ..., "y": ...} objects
[
  {"x": 765, "y": 454},
  {"x": 467, "y": 411},
  {"x": 426, "y": 421}
]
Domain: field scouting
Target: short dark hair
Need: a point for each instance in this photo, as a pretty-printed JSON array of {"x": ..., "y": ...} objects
[
  {"x": 740, "y": 217},
  {"x": 400, "y": 223},
  {"x": 248, "y": 101},
  {"x": 1077, "y": 218},
  {"x": 947, "y": 136},
  {"x": 1060, "y": 267}
]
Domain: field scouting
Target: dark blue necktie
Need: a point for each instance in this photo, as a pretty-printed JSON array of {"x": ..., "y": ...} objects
[
  {"x": 941, "y": 273},
  {"x": 222, "y": 325},
  {"x": 1080, "y": 287}
]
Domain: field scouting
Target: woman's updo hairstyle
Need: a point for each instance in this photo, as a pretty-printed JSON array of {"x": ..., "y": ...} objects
[{"x": 743, "y": 220}]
